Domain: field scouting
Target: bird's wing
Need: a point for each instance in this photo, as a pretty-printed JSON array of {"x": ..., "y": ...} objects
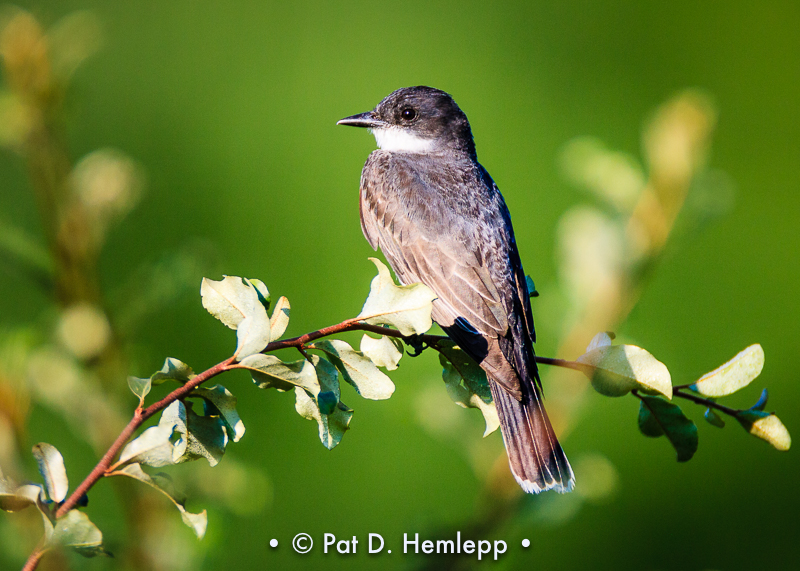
[{"x": 459, "y": 252}]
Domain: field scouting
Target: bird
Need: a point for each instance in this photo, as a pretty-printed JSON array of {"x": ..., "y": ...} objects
[{"x": 439, "y": 219}]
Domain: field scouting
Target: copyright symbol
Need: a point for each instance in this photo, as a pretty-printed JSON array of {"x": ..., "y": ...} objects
[{"x": 302, "y": 543}]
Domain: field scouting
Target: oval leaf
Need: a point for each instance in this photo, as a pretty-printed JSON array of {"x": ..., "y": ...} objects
[
  {"x": 615, "y": 370},
  {"x": 51, "y": 467},
  {"x": 384, "y": 351},
  {"x": 602, "y": 339},
  {"x": 76, "y": 530},
  {"x": 460, "y": 394},
  {"x": 163, "y": 483},
  {"x": 681, "y": 432},
  {"x": 241, "y": 305},
  {"x": 328, "y": 378},
  {"x": 648, "y": 425},
  {"x": 465, "y": 366},
  {"x": 280, "y": 318},
  {"x": 152, "y": 447},
  {"x": 733, "y": 375},
  {"x": 14, "y": 499},
  {"x": 270, "y": 372},
  {"x": 466, "y": 383},
  {"x": 224, "y": 401},
  {"x": 140, "y": 387},
  {"x": 357, "y": 369},
  {"x": 331, "y": 426},
  {"x": 407, "y": 308},
  {"x": 767, "y": 427},
  {"x": 173, "y": 370},
  {"x": 206, "y": 437}
]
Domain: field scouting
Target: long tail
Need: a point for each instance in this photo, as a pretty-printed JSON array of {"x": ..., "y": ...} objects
[{"x": 536, "y": 458}]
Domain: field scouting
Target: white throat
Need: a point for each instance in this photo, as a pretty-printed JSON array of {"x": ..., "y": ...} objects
[{"x": 398, "y": 140}]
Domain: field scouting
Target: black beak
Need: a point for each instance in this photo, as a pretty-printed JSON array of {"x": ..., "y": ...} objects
[{"x": 367, "y": 120}]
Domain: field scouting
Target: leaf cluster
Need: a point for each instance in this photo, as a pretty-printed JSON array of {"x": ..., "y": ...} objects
[{"x": 616, "y": 370}]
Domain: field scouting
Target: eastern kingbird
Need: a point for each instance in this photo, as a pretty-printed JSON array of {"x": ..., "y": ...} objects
[{"x": 439, "y": 219}]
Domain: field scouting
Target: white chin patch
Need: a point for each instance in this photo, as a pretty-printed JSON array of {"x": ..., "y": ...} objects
[{"x": 400, "y": 141}]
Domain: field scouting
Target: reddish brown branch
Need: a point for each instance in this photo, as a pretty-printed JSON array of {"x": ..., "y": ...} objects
[
  {"x": 139, "y": 417},
  {"x": 34, "y": 559},
  {"x": 347, "y": 325}
]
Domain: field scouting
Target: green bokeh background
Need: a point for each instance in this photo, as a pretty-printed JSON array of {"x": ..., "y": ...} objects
[{"x": 231, "y": 109}]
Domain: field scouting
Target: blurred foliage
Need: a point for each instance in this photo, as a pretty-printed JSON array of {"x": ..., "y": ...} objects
[{"x": 225, "y": 106}]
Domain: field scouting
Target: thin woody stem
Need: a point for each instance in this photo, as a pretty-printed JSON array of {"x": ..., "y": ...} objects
[
  {"x": 34, "y": 558},
  {"x": 139, "y": 417},
  {"x": 678, "y": 392}
]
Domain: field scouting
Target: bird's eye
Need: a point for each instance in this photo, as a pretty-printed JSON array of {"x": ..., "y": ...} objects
[{"x": 408, "y": 114}]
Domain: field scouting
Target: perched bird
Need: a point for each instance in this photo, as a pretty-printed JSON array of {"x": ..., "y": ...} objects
[{"x": 439, "y": 219}]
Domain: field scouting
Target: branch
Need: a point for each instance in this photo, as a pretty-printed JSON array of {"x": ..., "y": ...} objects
[
  {"x": 139, "y": 417},
  {"x": 430, "y": 340},
  {"x": 710, "y": 403},
  {"x": 349, "y": 325},
  {"x": 34, "y": 558},
  {"x": 143, "y": 414}
]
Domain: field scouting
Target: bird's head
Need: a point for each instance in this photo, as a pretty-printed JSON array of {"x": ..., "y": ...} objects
[{"x": 417, "y": 120}]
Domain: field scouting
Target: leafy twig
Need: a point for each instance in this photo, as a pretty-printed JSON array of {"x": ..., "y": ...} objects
[
  {"x": 139, "y": 417},
  {"x": 707, "y": 402}
]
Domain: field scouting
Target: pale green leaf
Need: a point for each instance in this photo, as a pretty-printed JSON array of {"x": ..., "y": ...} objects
[
  {"x": 384, "y": 352},
  {"x": 681, "y": 432},
  {"x": 51, "y": 467},
  {"x": 240, "y": 304},
  {"x": 261, "y": 291},
  {"x": 140, "y": 387},
  {"x": 615, "y": 370},
  {"x": 713, "y": 418},
  {"x": 331, "y": 426},
  {"x": 152, "y": 447},
  {"x": 270, "y": 372},
  {"x": 602, "y": 339},
  {"x": 76, "y": 530},
  {"x": 407, "y": 308},
  {"x": 357, "y": 369},
  {"x": 174, "y": 418},
  {"x": 198, "y": 522},
  {"x": 230, "y": 300},
  {"x": 766, "y": 426},
  {"x": 474, "y": 377},
  {"x": 199, "y": 436},
  {"x": 173, "y": 370},
  {"x": 15, "y": 498},
  {"x": 253, "y": 334},
  {"x": 225, "y": 403},
  {"x": 280, "y": 318},
  {"x": 733, "y": 375},
  {"x": 206, "y": 437},
  {"x": 163, "y": 483},
  {"x": 466, "y": 383}
]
